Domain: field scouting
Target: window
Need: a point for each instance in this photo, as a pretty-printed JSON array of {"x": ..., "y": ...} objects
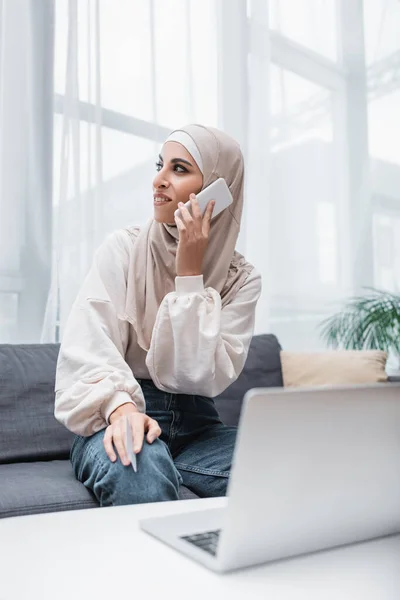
[
  {"x": 8, "y": 316},
  {"x": 311, "y": 23}
]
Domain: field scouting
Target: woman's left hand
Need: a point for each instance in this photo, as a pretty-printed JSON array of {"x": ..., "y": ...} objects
[{"x": 193, "y": 238}]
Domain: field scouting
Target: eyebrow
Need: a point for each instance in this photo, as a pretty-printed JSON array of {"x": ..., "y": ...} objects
[{"x": 177, "y": 160}]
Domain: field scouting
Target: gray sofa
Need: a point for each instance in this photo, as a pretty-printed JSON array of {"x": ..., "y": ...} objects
[{"x": 35, "y": 472}]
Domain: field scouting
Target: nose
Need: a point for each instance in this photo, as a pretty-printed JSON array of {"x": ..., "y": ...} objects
[{"x": 160, "y": 181}]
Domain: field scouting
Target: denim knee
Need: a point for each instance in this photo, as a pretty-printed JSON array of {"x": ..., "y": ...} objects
[{"x": 114, "y": 484}]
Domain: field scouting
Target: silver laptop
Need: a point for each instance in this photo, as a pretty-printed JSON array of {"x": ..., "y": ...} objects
[{"x": 313, "y": 469}]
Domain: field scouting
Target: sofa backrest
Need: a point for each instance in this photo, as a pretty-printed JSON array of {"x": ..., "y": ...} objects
[
  {"x": 262, "y": 369},
  {"x": 28, "y": 428}
]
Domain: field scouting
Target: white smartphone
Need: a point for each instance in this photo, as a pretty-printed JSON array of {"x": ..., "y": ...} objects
[{"x": 218, "y": 191}]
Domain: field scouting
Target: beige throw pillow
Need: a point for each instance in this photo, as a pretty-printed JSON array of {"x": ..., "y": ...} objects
[{"x": 338, "y": 367}]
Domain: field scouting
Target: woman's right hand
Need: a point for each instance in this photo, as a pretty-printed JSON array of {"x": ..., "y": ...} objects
[{"x": 115, "y": 432}]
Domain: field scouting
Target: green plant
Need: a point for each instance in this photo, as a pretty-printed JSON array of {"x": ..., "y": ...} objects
[{"x": 370, "y": 322}]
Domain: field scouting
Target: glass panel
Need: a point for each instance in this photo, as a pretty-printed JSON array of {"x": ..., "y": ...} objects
[
  {"x": 311, "y": 23},
  {"x": 60, "y": 45},
  {"x": 8, "y": 317},
  {"x": 125, "y": 57},
  {"x": 384, "y": 128},
  {"x": 121, "y": 154},
  {"x": 386, "y": 229},
  {"x": 300, "y": 109},
  {"x": 327, "y": 243},
  {"x": 185, "y": 62},
  {"x": 305, "y": 189},
  {"x": 382, "y": 51},
  {"x": 183, "y": 67},
  {"x": 382, "y": 30}
]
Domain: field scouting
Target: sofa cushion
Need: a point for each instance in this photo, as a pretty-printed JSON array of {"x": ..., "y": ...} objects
[
  {"x": 28, "y": 428},
  {"x": 46, "y": 486},
  {"x": 262, "y": 369},
  {"x": 39, "y": 487},
  {"x": 335, "y": 367},
  {"x": 186, "y": 494}
]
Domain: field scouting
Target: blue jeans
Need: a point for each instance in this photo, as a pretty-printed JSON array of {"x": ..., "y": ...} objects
[{"x": 195, "y": 449}]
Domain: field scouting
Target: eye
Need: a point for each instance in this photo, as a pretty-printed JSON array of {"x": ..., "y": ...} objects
[
  {"x": 183, "y": 170},
  {"x": 158, "y": 166}
]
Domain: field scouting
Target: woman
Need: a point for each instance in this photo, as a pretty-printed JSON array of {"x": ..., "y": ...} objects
[{"x": 162, "y": 324}]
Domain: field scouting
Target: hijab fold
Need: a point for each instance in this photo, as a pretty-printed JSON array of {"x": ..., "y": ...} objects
[{"x": 152, "y": 269}]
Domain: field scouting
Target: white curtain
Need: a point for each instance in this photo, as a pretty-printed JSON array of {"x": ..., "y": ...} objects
[
  {"x": 311, "y": 90},
  {"x": 26, "y": 115},
  {"x": 123, "y": 79}
]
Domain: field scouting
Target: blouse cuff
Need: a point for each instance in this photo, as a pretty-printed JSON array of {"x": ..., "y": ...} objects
[
  {"x": 189, "y": 284},
  {"x": 116, "y": 401}
]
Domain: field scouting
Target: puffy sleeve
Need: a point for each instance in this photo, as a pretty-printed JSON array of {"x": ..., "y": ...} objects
[
  {"x": 198, "y": 347},
  {"x": 92, "y": 377}
]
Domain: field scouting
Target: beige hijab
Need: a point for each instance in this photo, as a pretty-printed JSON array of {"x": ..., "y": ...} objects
[{"x": 152, "y": 262}]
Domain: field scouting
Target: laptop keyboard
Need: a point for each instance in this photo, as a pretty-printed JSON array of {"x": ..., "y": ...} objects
[{"x": 207, "y": 541}]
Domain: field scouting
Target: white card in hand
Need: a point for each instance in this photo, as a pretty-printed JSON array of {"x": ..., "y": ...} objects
[{"x": 129, "y": 444}]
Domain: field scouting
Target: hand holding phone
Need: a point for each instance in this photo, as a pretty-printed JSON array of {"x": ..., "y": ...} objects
[{"x": 217, "y": 191}]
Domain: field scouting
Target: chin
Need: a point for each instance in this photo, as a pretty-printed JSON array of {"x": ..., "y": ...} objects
[{"x": 169, "y": 219}]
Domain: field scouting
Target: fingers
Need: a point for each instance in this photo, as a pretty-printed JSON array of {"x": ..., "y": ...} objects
[
  {"x": 179, "y": 224},
  {"x": 196, "y": 212},
  {"x": 197, "y": 222},
  {"x": 115, "y": 435},
  {"x": 209, "y": 209},
  {"x": 108, "y": 445},
  {"x": 154, "y": 430},
  {"x": 186, "y": 216},
  {"x": 118, "y": 434},
  {"x": 207, "y": 217},
  {"x": 137, "y": 424}
]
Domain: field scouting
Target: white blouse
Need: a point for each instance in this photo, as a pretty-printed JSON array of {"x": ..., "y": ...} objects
[{"x": 197, "y": 347}]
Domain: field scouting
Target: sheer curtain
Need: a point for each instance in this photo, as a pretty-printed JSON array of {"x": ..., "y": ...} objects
[
  {"x": 26, "y": 114},
  {"x": 123, "y": 79},
  {"x": 334, "y": 79},
  {"x": 310, "y": 88}
]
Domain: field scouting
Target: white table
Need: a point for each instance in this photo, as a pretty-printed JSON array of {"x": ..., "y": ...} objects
[{"x": 101, "y": 554}]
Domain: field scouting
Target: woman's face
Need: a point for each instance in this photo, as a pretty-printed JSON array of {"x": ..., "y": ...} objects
[{"x": 178, "y": 176}]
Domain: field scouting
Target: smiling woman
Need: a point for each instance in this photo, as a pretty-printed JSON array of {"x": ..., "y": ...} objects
[
  {"x": 162, "y": 324},
  {"x": 178, "y": 176}
]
